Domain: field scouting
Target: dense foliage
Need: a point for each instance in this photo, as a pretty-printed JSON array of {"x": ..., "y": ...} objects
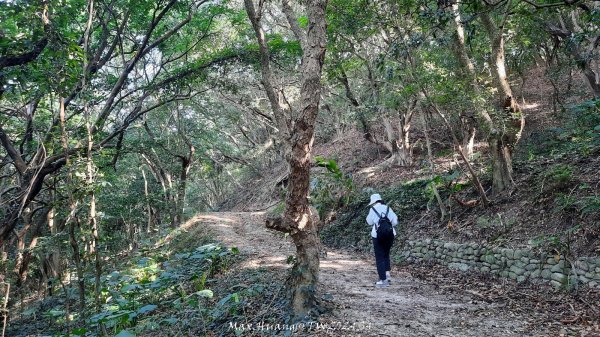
[{"x": 121, "y": 119}]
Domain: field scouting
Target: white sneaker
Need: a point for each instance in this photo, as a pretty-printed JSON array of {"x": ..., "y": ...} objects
[
  {"x": 382, "y": 284},
  {"x": 388, "y": 277}
]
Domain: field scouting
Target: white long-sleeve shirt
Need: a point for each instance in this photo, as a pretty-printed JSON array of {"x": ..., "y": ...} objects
[{"x": 373, "y": 219}]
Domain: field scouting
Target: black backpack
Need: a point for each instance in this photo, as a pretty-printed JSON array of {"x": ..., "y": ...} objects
[{"x": 385, "y": 230}]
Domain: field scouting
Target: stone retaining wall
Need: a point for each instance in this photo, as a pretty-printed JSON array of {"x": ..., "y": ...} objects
[{"x": 517, "y": 264}]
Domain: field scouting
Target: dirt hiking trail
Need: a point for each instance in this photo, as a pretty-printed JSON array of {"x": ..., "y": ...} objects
[{"x": 407, "y": 308}]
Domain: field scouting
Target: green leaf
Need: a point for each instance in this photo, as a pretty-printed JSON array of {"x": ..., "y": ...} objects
[
  {"x": 147, "y": 308},
  {"x": 79, "y": 332},
  {"x": 130, "y": 287},
  {"x": 170, "y": 320},
  {"x": 124, "y": 333},
  {"x": 303, "y": 22},
  {"x": 233, "y": 296},
  {"x": 206, "y": 293}
]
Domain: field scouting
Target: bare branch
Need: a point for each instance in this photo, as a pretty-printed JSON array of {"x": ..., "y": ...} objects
[
  {"x": 554, "y": 4},
  {"x": 281, "y": 115},
  {"x": 20, "y": 165},
  {"x": 293, "y": 22}
]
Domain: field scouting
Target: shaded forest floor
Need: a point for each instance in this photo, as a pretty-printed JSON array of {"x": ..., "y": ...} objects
[{"x": 422, "y": 301}]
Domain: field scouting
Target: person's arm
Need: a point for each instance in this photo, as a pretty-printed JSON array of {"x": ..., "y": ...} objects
[
  {"x": 393, "y": 218},
  {"x": 371, "y": 218}
]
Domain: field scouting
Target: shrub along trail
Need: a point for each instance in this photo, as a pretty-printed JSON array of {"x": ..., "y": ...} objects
[{"x": 412, "y": 306}]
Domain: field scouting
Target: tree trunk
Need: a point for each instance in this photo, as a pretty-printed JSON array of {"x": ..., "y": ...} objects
[
  {"x": 431, "y": 167},
  {"x": 132, "y": 235},
  {"x": 504, "y": 132},
  {"x": 467, "y": 118},
  {"x": 305, "y": 272},
  {"x": 186, "y": 165},
  {"x": 297, "y": 135},
  {"x": 397, "y": 143},
  {"x": 24, "y": 256},
  {"x": 19, "y": 259},
  {"x": 20, "y": 252},
  {"x": 50, "y": 221},
  {"x": 149, "y": 212},
  {"x": 72, "y": 218},
  {"x": 78, "y": 263},
  {"x": 496, "y": 37},
  {"x": 406, "y": 157},
  {"x": 4, "y": 311},
  {"x": 503, "y": 140},
  {"x": 305, "y": 231},
  {"x": 93, "y": 221},
  {"x": 3, "y": 262},
  {"x": 181, "y": 194},
  {"x": 592, "y": 77},
  {"x": 468, "y": 136},
  {"x": 400, "y": 157},
  {"x": 166, "y": 181},
  {"x": 502, "y": 161}
]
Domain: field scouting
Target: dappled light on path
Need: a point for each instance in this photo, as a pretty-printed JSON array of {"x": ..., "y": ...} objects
[
  {"x": 246, "y": 231},
  {"x": 407, "y": 308}
]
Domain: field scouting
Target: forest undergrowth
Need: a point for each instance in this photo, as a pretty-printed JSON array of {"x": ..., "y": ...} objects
[{"x": 185, "y": 284}]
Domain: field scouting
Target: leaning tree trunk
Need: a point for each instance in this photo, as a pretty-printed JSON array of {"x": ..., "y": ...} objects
[
  {"x": 296, "y": 131},
  {"x": 467, "y": 118},
  {"x": 28, "y": 256}
]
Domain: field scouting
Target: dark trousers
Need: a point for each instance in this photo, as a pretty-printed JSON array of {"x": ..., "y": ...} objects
[{"x": 382, "y": 255}]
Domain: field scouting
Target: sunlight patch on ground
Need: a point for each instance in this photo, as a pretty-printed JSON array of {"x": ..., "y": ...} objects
[
  {"x": 369, "y": 171},
  {"x": 215, "y": 217},
  {"x": 266, "y": 261},
  {"x": 340, "y": 264},
  {"x": 530, "y": 106}
]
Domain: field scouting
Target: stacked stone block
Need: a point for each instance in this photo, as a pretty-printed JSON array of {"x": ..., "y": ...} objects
[{"x": 516, "y": 264}]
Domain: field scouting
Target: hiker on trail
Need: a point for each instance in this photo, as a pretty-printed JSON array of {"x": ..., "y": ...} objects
[{"x": 383, "y": 220}]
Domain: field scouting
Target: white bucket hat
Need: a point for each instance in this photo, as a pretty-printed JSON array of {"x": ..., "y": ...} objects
[{"x": 374, "y": 198}]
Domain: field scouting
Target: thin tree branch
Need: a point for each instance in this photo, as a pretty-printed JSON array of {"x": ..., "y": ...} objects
[{"x": 293, "y": 22}]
